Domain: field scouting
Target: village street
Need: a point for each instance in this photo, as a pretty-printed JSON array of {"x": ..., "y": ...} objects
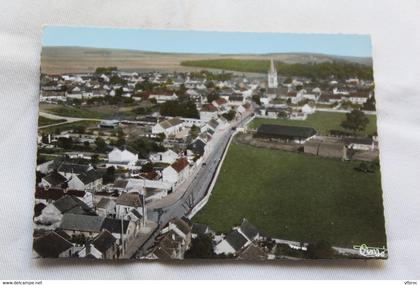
[{"x": 181, "y": 204}]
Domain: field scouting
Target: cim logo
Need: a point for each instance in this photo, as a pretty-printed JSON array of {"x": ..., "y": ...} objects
[{"x": 367, "y": 251}]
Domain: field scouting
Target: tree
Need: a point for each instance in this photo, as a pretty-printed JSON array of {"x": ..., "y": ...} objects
[
  {"x": 229, "y": 115},
  {"x": 109, "y": 175},
  {"x": 66, "y": 143},
  {"x": 201, "y": 247},
  {"x": 356, "y": 120},
  {"x": 94, "y": 159},
  {"x": 186, "y": 109},
  {"x": 320, "y": 249},
  {"x": 212, "y": 97},
  {"x": 100, "y": 144},
  {"x": 147, "y": 167},
  {"x": 256, "y": 99},
  {"x": 194, "y": 131}
]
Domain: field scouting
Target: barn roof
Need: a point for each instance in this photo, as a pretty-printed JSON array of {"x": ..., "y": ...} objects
[{"x": 285, "y": 131}]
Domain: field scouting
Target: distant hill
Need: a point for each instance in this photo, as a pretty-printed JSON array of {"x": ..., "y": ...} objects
[{"x": 58, "y": 60}]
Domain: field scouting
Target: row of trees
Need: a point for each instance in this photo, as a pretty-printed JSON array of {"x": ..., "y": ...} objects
[
  {"x": 185, "y": 109},
  {"x": 338, "y": 69}
]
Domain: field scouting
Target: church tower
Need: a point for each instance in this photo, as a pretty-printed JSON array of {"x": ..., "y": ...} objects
[{"x": 272, "y": 76}]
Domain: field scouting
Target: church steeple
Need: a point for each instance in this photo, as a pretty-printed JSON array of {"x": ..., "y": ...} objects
[{"x": 272, "y": 76}]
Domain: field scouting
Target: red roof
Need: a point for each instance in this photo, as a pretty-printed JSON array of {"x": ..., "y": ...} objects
[
  {"x": 291, "y": 94},
  {"x": 56, "y": 193},
  {"x": 208, "y": 108},
  {"x": 221, "y": 101},
  {"x": 180, "y": 164}
]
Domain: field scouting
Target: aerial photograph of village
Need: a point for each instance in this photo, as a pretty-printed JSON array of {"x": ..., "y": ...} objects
[{"x": 164, "y": 144}]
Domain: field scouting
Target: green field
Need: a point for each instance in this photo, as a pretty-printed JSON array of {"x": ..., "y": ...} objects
[
  {"x": 68, "y": 126},
  {"x": 77, "y": 112},
  {"x": 297, "y": 197},
  {"x": 42, "y": 121},
  {"x": 322, "y": 122}
]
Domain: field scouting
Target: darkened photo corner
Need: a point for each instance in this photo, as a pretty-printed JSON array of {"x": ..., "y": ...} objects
[{"x": 161, "y": 144}]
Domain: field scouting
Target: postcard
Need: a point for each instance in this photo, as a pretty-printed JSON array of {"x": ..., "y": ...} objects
[{"x": 166, "y": 144}]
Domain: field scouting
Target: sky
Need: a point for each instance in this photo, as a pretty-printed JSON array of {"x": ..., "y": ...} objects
[{"x": 207, "y": 42}]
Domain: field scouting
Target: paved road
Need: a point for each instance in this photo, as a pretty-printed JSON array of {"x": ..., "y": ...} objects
[{"x": 195, "y": 191}]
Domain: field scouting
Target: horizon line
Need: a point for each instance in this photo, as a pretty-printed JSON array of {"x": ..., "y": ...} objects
[{"x": 206, "y": 53}]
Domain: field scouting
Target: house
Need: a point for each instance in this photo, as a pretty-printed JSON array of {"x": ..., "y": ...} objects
[
  {"x": 285, "y": 133},
  {"x": 330, "y": 99},
  {"x": 199, "y": 230},
  {"x": 177, "y": 172},
  {"x": 164, "y": 97},
  {"x": 49, "y": 195},
  {"x": 325, "y": 149},
  {"x": 253, "y": 252},
  {"x": 248, "y": 230},
  {"x": 70, "y": 170},
  {"x": 359, "y": 97},
  {"x": 108, "y": 124},
  {"x": 53, "y": 245},
  {"x": 233, "y": 243},
  {"x": 168, "y": 127},
  {"x": 220, "y": 103},
  {"x": 198, "y": 147},
  {"x": 90, "y": 180},
  {"x": 213, "y": 124},
  {"x": 208, "y": 112},
  {"x": 104, "y": 245},
  {"x": 76, "y": 224},
  {"x": 239, "y": 238},
  {"x": 174, "y": 241},
  {"x": 106, "y": 207},
  {"x": 127, "y": 202},
  {"x": 365, "y": 144},
  {"x": 168, "y": 157},
  {"x": 274, "y": 112},
  {"x": 73, "y": 205},
  {"x": 122, "y": 158},
  {"x": 53, "y": 180},
  {"x": 295, "y": 97},
  {"x": 236, "y": 100},
  {"x": 306, "y": 109}
]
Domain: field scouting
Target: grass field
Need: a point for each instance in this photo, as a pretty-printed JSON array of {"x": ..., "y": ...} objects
[
  {"x": 322, "y": 122},
  {"x": 296, "y": 196},
  {"x": 69, "y": 126},
  {"x": 76, "y": 112},
  {"x": 42, "y": 121}
]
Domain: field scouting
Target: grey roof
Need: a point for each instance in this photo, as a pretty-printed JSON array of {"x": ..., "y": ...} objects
[
  {"x": 213, "y": 123},
  {"x": 248, "y": 229},
  {"x": 104, "y": 241},
  {"x": 236, "y": 240},
  {"x": 72, "y": 168},
  {"x": 51, "y": 245},
  {"x": 136, "y": 214},
  {"x": 182, "y": 225},
  {"x": 366, "y": 141},
  {"x": 285, "y": 131},
  {"x": 71, "y": 204},
  {"x": 81, "y": 223},
  {"x": 199, "y": 229},
  {"x": 106, "y": 203},
  {"x": 130, "y": 199},
  {"x": 120, "y": 183},
  {"x": 114, "y": 225},
  {"x": 55, "y": 179},
  {"x": 197, "y": 147},
  {"x": 89, "y": 176}
]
